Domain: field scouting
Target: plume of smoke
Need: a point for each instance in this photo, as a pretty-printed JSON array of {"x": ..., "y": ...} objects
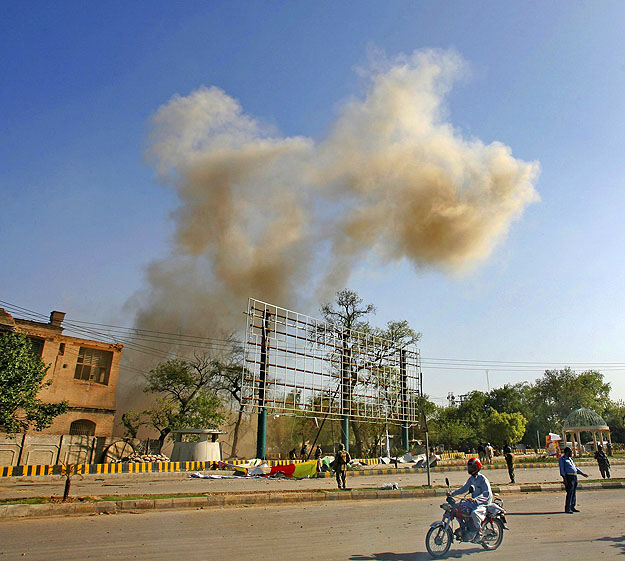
[{"x": 284, "y": 218}]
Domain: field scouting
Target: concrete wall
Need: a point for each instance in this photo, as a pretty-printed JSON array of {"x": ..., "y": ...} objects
[{"x": 51, "y": 449}]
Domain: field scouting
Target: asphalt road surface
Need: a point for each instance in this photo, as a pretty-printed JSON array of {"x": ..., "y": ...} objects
[
  {"x": 382, "y": 530},
  {"x": 127, "y": 484}
]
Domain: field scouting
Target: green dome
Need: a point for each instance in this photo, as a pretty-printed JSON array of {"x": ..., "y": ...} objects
[{"x": 583, "y": 417}]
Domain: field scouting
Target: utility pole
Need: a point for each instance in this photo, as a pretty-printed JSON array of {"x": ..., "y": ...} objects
[
  {"x": 405, "y": 441},
  {"x": 487, "y": 381},
  {"x": 346, "y": 397},
  {"x": 261, "y": 435}
]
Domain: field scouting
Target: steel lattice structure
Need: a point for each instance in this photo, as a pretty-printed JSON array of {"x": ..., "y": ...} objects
[{"x": 299, "y": 365}]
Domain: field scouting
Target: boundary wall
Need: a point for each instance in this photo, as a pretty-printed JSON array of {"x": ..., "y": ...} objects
[{"x": 133, "y": 467}]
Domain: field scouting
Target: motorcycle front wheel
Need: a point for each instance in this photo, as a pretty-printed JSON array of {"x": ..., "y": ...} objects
[
  {"x": 493, "y": 534},
  {"x": 438, "y": 541}
]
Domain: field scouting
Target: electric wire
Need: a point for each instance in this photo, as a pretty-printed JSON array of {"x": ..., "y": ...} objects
[{"x": 140, "y": 340}]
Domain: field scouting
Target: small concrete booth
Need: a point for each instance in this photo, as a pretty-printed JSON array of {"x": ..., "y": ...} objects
[{"x": 206, "y": 449}]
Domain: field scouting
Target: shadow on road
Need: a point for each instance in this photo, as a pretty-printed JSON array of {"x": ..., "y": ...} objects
[
  {"x": 417, "y": 556},
  {"x": 619, "y": 542},
  {"x": 509, "y": 514}
]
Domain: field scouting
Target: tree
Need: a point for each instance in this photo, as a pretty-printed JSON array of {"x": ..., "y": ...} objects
[
  {"x": 500, "y": 428},
  {"x": 227, "y": 380},
  {"x": 450, "y": 432},
  {"x": 614, "y": 415},
  {"x": 510, "y": 398},
  {"x": 559, "y": 392},
  {"x": 132, "y": 422},
  {"x": 186, "y": 398},
  {"x": 346, "y": 318},
  {"x": 22, "y": 376}
]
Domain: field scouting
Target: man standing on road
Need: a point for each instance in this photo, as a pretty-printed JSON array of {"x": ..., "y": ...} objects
[
  {"x": 507, "y": 450},
  {"x": 569, "y": 471},
  {"x": 340, "y": 465},
  {"x": 604, "y": 463}
]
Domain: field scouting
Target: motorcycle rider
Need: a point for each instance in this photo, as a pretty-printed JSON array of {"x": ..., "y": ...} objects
[{"x": 481, "y": 497}]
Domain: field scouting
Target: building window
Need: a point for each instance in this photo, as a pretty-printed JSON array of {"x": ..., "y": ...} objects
[
  {"x": 82, "y": 427},
  {"x": 36, "y": 345},
  {"x": 93, "y": 365}
]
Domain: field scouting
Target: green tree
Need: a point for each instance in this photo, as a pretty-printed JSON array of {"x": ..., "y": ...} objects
[
  {"x": 510, "y": 398},
  {"x": 347, "y": 318},
  {"x": 186, "y": 396},
  {"x": 500, "y": 428},
  {"x": 22, "y": 376},
  {"x": 227, "y": 381},
  {"x": 450, "y": 432},
  {"x": 558, "y": 392},
  {"x": 614, "y": 415}
]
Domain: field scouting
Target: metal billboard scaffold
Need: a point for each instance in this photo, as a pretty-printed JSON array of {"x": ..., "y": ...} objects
[{"x": 298, "y": 365}]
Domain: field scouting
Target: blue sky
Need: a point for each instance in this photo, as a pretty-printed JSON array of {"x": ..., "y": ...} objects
[{"x": 83, "y": 213}]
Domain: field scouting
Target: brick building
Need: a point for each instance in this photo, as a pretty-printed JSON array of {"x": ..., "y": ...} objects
[{"x": 83, "y": 372}]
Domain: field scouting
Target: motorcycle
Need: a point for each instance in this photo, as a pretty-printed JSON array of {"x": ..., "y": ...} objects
[{"x": 441, "y": 534}]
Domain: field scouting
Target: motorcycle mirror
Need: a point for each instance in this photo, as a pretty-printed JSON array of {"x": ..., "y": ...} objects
[{"x": 447, "y": 481}]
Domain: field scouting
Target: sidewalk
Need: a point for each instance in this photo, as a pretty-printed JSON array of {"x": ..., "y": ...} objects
[
  {"x": 167, "y": 491},
  {"x": 270, "y": 498}
]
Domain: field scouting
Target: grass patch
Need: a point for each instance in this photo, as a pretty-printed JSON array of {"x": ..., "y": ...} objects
[{"x": 28, "y": 501}]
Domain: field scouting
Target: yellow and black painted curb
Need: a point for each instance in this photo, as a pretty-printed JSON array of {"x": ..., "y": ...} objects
[
  {"x": 168, "y": 467},
  {"x": 130, "y": 467}
]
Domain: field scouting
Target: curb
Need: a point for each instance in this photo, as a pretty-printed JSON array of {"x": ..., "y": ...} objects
[
  {"x": 224, "y": 500},
  {"x": 42, "y": 470}
]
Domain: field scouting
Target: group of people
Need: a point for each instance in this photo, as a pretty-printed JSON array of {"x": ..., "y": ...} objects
[
  {"x": 477, "y": 483},
  {"x": 341, "y": 460},
  {"x": 305, "y": 452},
  {"x": 481, "y": 494},
  {"x": 485, "y": 453}
]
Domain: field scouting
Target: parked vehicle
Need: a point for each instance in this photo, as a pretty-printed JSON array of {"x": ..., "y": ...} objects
[{"x": 442, "y": 534}]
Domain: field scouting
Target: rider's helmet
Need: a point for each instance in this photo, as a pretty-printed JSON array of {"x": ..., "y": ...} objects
[{"x": 473, "y": 466}]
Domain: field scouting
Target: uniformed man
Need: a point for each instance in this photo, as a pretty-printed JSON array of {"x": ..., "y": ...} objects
[
  {"x": 509, "y": 456},
  {"x": 604, "y": 463},
  {"x": 340, "y": 465}
]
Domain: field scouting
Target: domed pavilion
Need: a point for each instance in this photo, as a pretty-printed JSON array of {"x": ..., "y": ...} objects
[{"x": 585, "y": 420}]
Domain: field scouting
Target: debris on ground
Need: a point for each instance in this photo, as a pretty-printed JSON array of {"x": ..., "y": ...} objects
[{"x": 143, "y": 459}]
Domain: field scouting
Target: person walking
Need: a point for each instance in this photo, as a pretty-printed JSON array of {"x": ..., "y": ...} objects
[
  {"x": 490, "y": 452},
  {"x": 604, "y": 463},
  {"x": 318, "y": 452},
  {"x": 509, "y": 456},
  {"x": 569, "y": 471},
  {"x": 481, "y": 452},
  {"x": 341, "y": 460}
]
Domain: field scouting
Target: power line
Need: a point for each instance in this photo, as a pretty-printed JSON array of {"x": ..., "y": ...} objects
[{"x": 134, "y": 338}]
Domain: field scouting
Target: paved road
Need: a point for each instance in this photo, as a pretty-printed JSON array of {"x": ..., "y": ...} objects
[
  {"x": 383, "y": 530},
  {"x": 125, "y": 484}
]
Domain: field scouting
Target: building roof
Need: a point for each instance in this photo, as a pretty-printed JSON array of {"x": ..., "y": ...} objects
[{"x": 584, "y": 418}]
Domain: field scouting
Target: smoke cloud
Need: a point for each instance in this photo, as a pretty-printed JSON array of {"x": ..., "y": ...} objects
[{"x": 282, "y": 219}]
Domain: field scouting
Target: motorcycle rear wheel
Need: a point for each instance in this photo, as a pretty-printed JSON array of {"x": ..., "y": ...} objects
[
  {"x": 492, "y": 534},
  {"x": 438, "y": 541}
]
